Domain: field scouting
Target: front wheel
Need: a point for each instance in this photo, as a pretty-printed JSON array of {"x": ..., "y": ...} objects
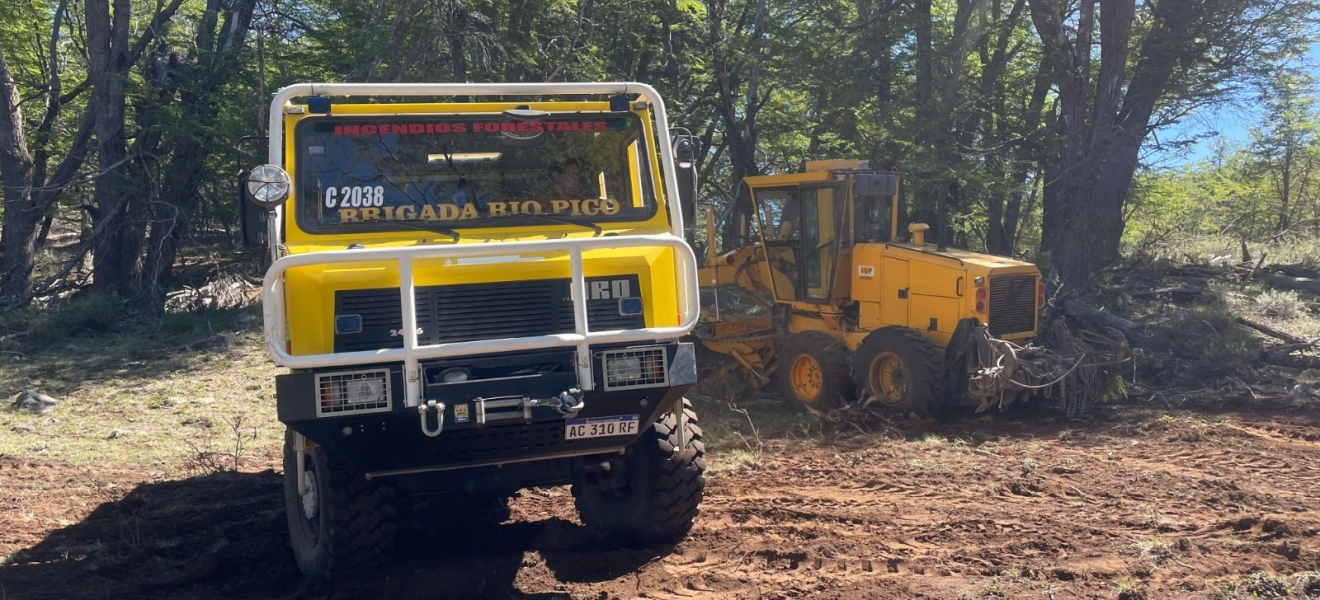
[
  {"x": 344, "y": 522},
  {"x": 654, "y": 497},
  {"x": 813, "y": 371}
]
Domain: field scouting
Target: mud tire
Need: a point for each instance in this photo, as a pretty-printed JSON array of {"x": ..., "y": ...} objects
[
  {"x": 659, "y": 499},
  {"x": 835, "y": 384},
  {"x": 918, "y": 360},
  {"x": 355, "y": 522}
]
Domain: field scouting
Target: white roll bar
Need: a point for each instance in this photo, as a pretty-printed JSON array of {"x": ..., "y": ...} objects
[{"x": 276, "y": 321}]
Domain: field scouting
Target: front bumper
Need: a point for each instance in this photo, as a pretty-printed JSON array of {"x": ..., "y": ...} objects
[{"x": 392, "y": 441}]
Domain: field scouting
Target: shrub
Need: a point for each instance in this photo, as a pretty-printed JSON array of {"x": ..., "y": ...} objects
[
  {"x": 1280, "y": 304},
  {"x": 1264, "y": 585}
]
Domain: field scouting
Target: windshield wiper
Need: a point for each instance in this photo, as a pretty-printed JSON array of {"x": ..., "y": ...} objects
[
  {"x": 589, "y": 225},
  {"x": 424, "y": 225}
]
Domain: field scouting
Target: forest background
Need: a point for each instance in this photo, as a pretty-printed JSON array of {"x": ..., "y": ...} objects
[{"x": 1073, "y": 134}]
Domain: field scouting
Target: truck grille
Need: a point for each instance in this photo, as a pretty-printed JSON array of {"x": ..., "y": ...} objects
[
  {"x": 482, "y": 311},
  {"x": 1012, "y": 304}
]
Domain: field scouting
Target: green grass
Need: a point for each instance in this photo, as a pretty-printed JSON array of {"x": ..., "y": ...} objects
[{"x": 131, "y": 396}]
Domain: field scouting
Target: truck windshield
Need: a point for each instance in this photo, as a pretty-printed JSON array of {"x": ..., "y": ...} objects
[{"x": 385, "y": 174}]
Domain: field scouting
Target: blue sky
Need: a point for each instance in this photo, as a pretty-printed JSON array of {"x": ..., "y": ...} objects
[{"x": 1231, "y": 121}]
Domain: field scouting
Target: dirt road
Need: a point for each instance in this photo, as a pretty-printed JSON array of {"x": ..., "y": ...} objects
[{"x": 1135, "y": 504}]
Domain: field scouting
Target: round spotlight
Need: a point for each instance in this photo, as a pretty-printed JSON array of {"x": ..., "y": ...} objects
[
  {"x": 268, "y": 186},
  {"x": 455, "y": 375}
]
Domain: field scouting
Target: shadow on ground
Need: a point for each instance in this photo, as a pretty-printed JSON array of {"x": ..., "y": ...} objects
[{"x": 224, "y": 536}]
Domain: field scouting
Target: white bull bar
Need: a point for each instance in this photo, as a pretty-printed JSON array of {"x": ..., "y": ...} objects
[{"x": 276, "y": 320}]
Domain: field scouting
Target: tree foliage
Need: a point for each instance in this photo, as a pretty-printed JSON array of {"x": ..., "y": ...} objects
[{"x": 1013, "y": 120}]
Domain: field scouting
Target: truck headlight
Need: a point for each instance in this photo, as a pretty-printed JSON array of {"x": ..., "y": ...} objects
[
  {"x": 366, "y": 391},
  {"x": 361, "y": 391},
  {"x": 635, "y": 368},
  {"x": 623, "y": 368}
]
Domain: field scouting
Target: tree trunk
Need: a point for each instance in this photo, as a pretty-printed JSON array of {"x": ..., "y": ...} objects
[
  {"x": 107, "y": 39},
  {"x": 20, "y": 218},
  {"x": 740, "y": 133},
  {"x": 1102, "y": 128},
  {"x": 193, "y": 81}
]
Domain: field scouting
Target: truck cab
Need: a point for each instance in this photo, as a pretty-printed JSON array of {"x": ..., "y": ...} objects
[{"x": 477, "y": 288}]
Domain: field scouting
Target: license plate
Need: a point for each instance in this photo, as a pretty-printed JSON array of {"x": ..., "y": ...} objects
[{"x": 581, "y": 429}]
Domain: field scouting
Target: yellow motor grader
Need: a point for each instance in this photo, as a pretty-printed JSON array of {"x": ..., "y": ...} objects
[{"x": 850, "y": 316}]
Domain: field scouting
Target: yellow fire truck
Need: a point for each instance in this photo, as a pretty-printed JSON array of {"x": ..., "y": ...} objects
[{"x": 478, "y": 288}]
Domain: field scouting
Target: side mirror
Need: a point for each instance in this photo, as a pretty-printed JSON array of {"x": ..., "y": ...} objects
[
  {"x": 251, "y": 220},
  {"x": 685, "y": 166}
]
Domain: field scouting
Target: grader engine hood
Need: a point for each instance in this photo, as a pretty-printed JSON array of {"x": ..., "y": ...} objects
[
  {"x": 356, "y": 307},
  {"x": 934, "y": 291}
]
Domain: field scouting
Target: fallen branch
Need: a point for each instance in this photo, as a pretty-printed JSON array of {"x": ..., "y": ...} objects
[
  {"x": 1256, "y": 269},
  {"x": 1079, "y": 311},
  {"x": 1296, "y": 270},
  {"x": 1292, "y": 347},
  {"x": 1184, "y": 292},
  {"x": 1304, "y": 284},
  {"x": 1272, "y": 332},
  {"x": 1289, "y": 361}
]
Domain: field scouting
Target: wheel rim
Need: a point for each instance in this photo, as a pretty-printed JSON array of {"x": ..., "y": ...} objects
[
  {"x": 806, "y": 378},
  {"x": 310, "y": 503},
  {"x": 889, "y": 378}
]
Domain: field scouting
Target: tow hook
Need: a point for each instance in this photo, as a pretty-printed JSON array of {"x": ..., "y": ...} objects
[
  {"x": 567, "y": 403},
  {"x": 439, "y": 409},
  {"x": 570, "y": 402}
]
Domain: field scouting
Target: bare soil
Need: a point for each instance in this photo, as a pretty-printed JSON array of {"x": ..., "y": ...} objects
[{"x": 1137, "y": 503}]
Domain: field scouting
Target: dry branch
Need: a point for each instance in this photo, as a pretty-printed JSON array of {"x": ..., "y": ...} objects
[
  {"x": 1291, "y": 361},
  {"x": 1270, "y": 331},
  {"x": 1184, "y": 292},
  {"x": 1079, "y": 311},
  {"x": 1296, "y": 270},
  {"x": 1305, "y": 284}
]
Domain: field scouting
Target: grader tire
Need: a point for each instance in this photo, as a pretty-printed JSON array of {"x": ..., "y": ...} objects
[
  {"x": 348, "y": 525},
  {"x": 662, "y": 490},
  {"x": 902, "y": 369},
  {"x": 813, "y": 371}
]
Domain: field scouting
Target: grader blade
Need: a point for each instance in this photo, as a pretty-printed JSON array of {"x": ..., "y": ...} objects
[{"x": 748, "y": 340}]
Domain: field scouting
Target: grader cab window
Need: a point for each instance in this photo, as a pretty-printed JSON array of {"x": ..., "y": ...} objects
[
  {"x": 872, "y": 216},
  {"x": 779, "y": 220},
  {"x": 800, "y": 227},
  {"x": 822, "y": 218},
  {"x": 779, "y": 214}
]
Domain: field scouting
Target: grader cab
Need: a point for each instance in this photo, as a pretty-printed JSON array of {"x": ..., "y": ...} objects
[{"x": 851, "y": 316}]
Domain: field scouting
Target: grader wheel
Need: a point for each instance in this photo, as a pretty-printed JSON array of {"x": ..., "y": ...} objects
[
  {"x": 813, "y": 371},
  {"x": 899, "y": 371}
]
